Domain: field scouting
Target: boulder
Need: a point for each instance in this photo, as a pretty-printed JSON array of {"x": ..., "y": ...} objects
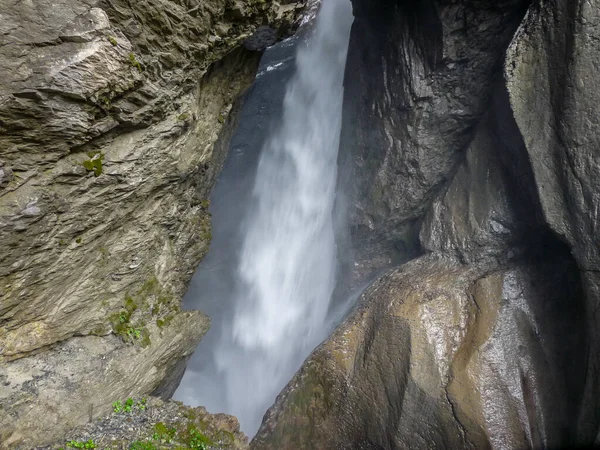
[{"x": 441, "y": 355}]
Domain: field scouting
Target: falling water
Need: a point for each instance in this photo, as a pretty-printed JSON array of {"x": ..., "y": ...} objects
[{"x": 286, "y": 269}]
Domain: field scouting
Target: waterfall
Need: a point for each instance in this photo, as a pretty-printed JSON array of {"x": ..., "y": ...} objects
[{"x": 286, "y": 268}]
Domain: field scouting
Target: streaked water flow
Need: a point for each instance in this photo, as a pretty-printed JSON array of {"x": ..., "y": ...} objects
[{"x": 285, "y": 272}]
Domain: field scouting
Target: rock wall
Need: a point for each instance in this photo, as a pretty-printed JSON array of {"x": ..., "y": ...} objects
[
  {"x": 419, "y": 77},
  {"x": 114, "y": 122},
  {"x": 491, "y": 339},
  {"x": 553, "y": 83}
]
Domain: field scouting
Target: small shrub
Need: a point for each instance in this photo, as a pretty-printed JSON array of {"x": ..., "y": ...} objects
[
  {"x": 197, "y": 440},
  {"x": 112, "y": 40},
  {"x": 129, "y": 405}
]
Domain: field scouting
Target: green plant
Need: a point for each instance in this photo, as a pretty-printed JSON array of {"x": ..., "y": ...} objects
[
  {"x": 128, "y": 405},
  {"x": 163, "y": 433},
  {"x": 112, "y": 40},
  {"x": 142, "y": 445},
  {"x": 183, "y": 117},
  {"x": 198, "y": 440},
  {"x": 80, "y": 444},
  {"x": 134, "y": 62},
  {"x": 94, "y": 164},
  {"x": 134, "y": 333}
]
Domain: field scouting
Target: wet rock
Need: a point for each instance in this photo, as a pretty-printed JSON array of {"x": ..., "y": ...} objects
[
  {"x": 553, "y": 84},
  {"x": 552, "y": 81},
  {"x": 491, "y": 340},
  {"x": 439, "y": 355},
  {"x": 490, "y": 213},
  {"x": 262, "y": 38}
]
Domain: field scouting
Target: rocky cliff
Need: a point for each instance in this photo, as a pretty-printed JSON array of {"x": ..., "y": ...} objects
[
  {"x": 469, "y": 145},
  {"x": 114, "y": 121},
  {"x": 471, "y": 134}
]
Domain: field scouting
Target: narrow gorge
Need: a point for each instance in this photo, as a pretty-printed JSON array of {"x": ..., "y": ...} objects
[
  {"x": 274, "y": 308},
  {"x": 400, "y": 250}
]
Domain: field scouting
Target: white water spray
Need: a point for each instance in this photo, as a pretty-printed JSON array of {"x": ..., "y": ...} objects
[{"x": 286, "y": 270}]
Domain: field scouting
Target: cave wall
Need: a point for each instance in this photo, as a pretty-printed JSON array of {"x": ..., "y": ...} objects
[
  {"x": 552, "y": 78},
  {"x": 419, "y": 77},
  {"x": 114, "y": 122}
]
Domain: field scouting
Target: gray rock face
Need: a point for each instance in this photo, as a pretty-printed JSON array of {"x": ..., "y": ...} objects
[
  {"x": 44, "y": 395},
  {"x": 553, "y": 83},
  {"x": 552, "y": 80},
  {"x": 419, "y": 79},
  {"x": 489, "y": 213},
  {"x": 114, "y": 122}
]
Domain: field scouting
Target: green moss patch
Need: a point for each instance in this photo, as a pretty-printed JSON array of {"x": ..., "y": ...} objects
[
  {"x": 134, "y": 62},
  {"x": 152, "y": 302}
]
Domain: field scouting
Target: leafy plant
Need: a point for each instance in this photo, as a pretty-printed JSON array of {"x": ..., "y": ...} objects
[
  {"x": 94, "y": 164},
  {"x": 80, "y": 444},
  {"x": 128, "y": 405},
  {"x": 142, "y": 445},
  {"x": 134, "y": 333}
]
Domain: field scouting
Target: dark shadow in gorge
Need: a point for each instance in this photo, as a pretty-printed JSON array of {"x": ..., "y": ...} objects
[{"x": 418, "y": 80}]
